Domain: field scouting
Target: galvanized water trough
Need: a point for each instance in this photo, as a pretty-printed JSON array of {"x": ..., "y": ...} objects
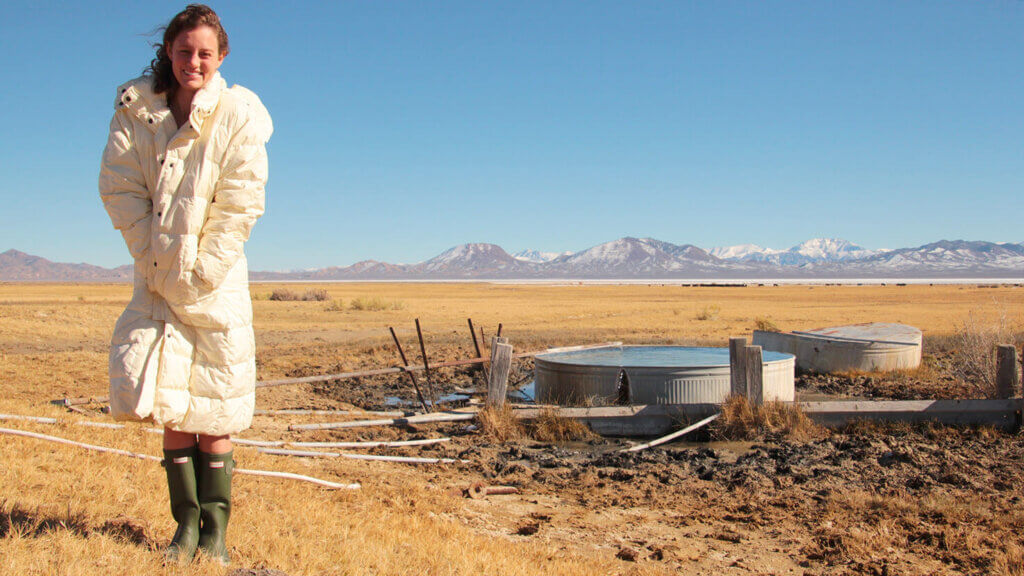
[
  {"x": 650, "y": 375},
  {"x": 868, "y": 347}
]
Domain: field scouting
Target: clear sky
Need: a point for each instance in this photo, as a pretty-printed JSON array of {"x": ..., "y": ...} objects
[{"x": 405, "y": 128}]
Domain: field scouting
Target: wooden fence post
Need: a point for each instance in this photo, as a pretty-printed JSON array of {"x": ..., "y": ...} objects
[
  {"x": 501, "y": 365},
  {"x": 737, "y": 366},
  {"x": 755, "y": 375},
  {"x": 1007, "y": 373}
]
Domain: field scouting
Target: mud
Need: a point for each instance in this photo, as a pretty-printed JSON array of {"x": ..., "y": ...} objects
[
  {"x": 873, "y": 501},
  {"x": 869, "y": 499}
]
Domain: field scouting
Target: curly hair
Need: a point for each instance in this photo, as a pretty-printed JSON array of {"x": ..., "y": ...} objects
[{"x": 193, "y": 16}]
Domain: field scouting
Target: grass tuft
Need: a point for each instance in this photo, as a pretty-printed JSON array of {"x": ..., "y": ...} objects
[
  {"x": 375, "y": 304},
  {"x": 500, "y": 424},
  {"x": 310, "y": 295},
  {"x": 976, "y": 351},
  {"x": 741, "y": 420},
  {"x": 550, "y": 427},
  {"x": 709, "y": 312},
  {"x": 765, "y": 324}
]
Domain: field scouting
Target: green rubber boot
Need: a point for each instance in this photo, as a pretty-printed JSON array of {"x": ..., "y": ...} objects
[
  {"x": 214, "y": 474},
  {"x": 181, "y": 483}
]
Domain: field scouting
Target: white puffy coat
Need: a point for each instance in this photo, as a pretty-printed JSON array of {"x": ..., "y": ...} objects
[{"x": 185, "y": 200}]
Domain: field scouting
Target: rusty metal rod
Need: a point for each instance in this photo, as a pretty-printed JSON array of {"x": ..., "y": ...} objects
[
  {"x": 405, "y": 364},
  {"x": 476, "y": 346},
  {"x": 426, "y": 364}
]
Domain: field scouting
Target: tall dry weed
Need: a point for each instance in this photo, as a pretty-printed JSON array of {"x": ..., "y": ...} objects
[
  {"x": 550, "y": 427},
  {"x": 976, "y": 341},
  {"x": 741, "y": 420},
  {"x": 500, "y": 424}
]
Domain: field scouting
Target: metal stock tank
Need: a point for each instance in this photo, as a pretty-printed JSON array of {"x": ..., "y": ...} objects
[
  {"x": 650, "y": 375},
  {"x": 872, "y": 347}
]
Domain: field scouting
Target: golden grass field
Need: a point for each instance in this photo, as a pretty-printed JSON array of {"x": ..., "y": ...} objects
[{"x": 67, "y": 511}]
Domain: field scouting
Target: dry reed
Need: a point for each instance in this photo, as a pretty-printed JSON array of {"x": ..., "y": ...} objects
[
  {"x": 550, "y": 427},
  {"x": 742, "y": 420},
  {"x": 500, "y": 424}
]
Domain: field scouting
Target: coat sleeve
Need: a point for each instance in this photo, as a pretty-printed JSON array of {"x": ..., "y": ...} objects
[
  {"x": 123, "y": 188},
  {"x": 238, "y": 199}
]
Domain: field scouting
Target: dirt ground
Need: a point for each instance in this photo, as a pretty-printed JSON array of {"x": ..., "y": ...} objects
[{"x": 863, "y": 500}]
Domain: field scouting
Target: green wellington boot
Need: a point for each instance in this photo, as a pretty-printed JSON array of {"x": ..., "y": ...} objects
[
  {"x": 181, "y": 483},
  {"x": 214, "y": 474}
]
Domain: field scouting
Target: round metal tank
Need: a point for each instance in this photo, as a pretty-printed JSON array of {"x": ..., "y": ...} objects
[
  {"x": 655, "y": 375},
  {"x": 872, "y": 347}
]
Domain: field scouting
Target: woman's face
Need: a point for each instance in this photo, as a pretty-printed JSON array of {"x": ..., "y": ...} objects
[{"x": 195, "y": 56}]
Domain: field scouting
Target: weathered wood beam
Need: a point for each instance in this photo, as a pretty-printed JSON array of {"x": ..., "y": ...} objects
[{"x": 501, "y": 365}]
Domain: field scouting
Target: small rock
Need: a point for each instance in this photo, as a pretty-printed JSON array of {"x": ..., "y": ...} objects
[
  {"x": 626, "y": 553},
  {"x": 528, "y": 529}
]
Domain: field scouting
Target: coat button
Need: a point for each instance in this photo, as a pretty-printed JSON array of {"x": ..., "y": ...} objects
[
  {"x": 159, "y": 214},
  {"x": 154, "y": 264}
]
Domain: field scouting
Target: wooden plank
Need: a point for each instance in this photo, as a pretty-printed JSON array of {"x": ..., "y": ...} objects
[
  {"x": 318, "y": 454},
  {"x": 501, "y": 365},
  {"x": 674, "y": 435},
  {"x": 119, "y": 452},
  {"x": 737, "y": 366},
  {"x": 639, "y": 420},
  {"x": 411, "y": 420},
  {"x": 1007, "y": 372},
  {"x": 755, "y": 374},
  {"x": 333, "y": 413},
  {"x": 370, "y": 444}
]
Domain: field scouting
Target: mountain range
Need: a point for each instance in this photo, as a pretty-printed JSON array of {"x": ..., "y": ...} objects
[{"x": 625, "y": 258}]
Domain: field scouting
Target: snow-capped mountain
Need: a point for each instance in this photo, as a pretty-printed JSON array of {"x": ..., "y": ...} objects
[
  {"x": 636, "y": 257},
  {"x": 623, "y": 259},
  {"x": 537, "y": 257},
  {"x": 813, "y": 250},
  {"x": 831, "y": 249},
  {"x": 947, "y": 257},
  {"x": 740, "y": 251},
  {"x": 474, "y": 259}
]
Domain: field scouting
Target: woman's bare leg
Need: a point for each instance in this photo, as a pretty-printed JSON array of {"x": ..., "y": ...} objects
[
  {"x": 215, "y": 444},
  {"x": 174, "y": 440}
]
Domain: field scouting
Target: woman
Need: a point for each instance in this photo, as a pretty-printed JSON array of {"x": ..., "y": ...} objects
[{"x": 183, "y": 178}]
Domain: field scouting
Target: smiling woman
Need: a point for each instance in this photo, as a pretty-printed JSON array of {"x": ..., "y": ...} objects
[{"x": 183, "y": 178}]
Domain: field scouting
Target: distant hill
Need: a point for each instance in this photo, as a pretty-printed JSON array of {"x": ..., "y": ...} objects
[
  {"x": 625, "y": 258},
  {"x": 18, "y": 266}
]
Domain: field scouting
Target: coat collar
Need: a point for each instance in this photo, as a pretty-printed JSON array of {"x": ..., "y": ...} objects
[{"x": 138, "y": 98}]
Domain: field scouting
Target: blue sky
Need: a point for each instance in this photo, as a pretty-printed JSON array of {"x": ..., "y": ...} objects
[{"x": 404, "y": 128}]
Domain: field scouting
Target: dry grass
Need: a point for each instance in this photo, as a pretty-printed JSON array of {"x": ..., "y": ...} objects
[
  {"x": 742, "y": 420},
  {"x": 375, "y": 304},
  {"x": 550, "y": 427},
  {"x": 310, "y": 295},
  {"x": 65, "y": 511},
  {"x": 499, "y": 424},
  {"x": 976, "y": 342},
  {"x": 766, "y": 325},
  {"x": 709, "y": 312}
]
